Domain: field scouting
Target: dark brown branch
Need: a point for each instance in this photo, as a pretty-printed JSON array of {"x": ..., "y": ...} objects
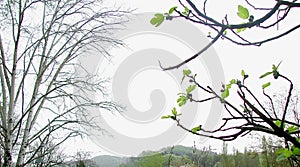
[
  {"x": 196, "y": 55},
  {"x": 287, "y": 100},
  {"x": 277, "y": 130},
  {"x": 203, "y": 100}
]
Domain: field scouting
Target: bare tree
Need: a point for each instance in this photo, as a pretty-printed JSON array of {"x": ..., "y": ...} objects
[
  {"x": 82, "y": 158},
  {"x": 39, "y": 43}
]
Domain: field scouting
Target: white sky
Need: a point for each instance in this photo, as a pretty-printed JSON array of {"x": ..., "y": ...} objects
[{"x": 254, "y": 60}]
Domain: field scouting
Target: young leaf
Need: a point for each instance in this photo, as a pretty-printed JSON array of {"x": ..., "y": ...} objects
[
  {"x": 166, "y": 117},
  {"x": 225, "y": 93},
  {"x": 172, "y": 9},
  {"x": 196, "y": 129},
  {"x": 280, "y": 151},
  {"x": 233, "y": 81},
  {"x": 186, "y": 9},
  {"x": 296, "y": 151},
  {"x": 240, "y": 30},
  {"x": 243, "y": 12},
  {"x": 157, "y": 20},
  {"x": 243, "y": 73},
  {"x": 228, "y": 86},
  {"x": 278, "y": 123},
  {"x": 174, "y": 111},
  {"x": 266, "y": 74},
  {"x": 190, "y": 89},
  {"x": 266, "y": 85},
  {"x": 292, "y": 129},
  {"x": 287, "y": 153},
  {"x": 274, "y": 68},
  {"x": 187, "y": 72},
  {"x": 181, "y": 100},
  {"x": 281, "y": 157}
]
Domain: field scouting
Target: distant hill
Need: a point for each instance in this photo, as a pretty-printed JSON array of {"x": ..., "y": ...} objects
[
  {"x": 109, "y": 161},
  {"x": 114, "y": 161},
  {"x": 179, "y": 156}
]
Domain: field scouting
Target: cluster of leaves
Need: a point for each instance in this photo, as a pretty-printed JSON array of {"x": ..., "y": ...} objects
[
  {"x": 183, "y": 97},
  {"x": 243, "y": 13},
  {"x": 159, "y": 18},
  {"x": 225, "y": 91},
  {"x": 287, "y": 128},
  {"x": 283, "y": 153},
  {"x": 288, "y": 153}
]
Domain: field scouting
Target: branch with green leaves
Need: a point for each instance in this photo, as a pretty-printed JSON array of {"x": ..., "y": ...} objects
[
  {"x": 246, "y": 111},
  {"x": 224, "y": 29}
]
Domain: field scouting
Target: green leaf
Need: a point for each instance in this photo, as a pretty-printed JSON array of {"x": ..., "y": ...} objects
[
  {"x": 288, "y": 153},
  {"x": 243, "y": 73},
  {"x": 157, "y": 20},
  {"x": 184, "y": 13},
  {"x": 182, "y": 100},
  {"x": 281, "y": 157},
  {"x": 233, "y": 81},
  {"x": 174, "y": 111},
  {"x": 225, "y": 93},
  {"x": 187, "y": 72},
  {"x": 280, "y": 151},
  {"x": 186, "y": 9},
  {"x": 196, "y": 129},
  {"x": 274, "y": 68},
  {"x": 283, "y": 154},
  {"x": 278, "y": 123},
  {"x": 266, "y": 74},
  {"x": 266, "y": 85},
  {"x": 296, "y": 151},
  {"x": 190, "y": 89},
  {"x": 228, "y": 86},
  {"x": 243, "y": 12},
  {"x": 172, "y": 9},
  {"x": 166, "y": 117},
  {"x": 240, "y": 30},
  {"x": 292, "y": 129}
]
